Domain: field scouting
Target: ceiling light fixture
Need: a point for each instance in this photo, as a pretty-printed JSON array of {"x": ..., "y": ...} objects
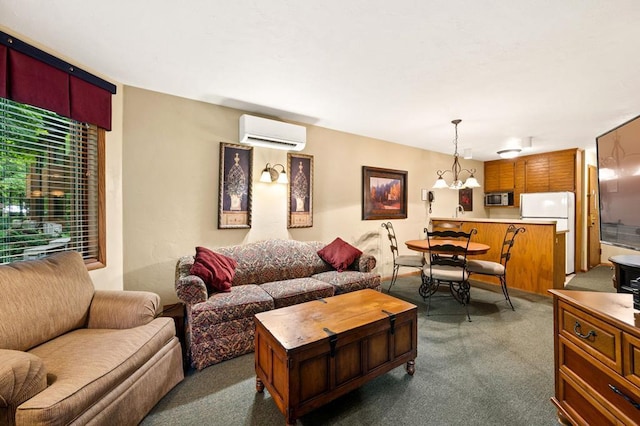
[
  {"x": 456, "y": 169},
  {"x": 270, "y": 174},
  {"x": 509, "y": 152}
]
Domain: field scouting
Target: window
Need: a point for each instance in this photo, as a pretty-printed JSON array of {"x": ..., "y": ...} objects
[{"x": 51, "y": 185}]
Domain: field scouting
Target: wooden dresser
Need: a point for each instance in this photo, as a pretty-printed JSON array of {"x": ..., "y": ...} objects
[{"x": 597, "y": 358}]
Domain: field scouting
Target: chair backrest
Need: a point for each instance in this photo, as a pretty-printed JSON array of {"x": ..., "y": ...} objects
[
  {"x": 455, "y": 250},
  {"x": 445, "y": 226},
  {"x": 507, "y": 243},
  {"x": 393, "y": 242}
]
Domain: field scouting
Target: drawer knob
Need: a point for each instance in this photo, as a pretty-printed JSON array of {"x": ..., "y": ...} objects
[
  {"x": 629, "y": 400},
  {"x": 577, "y": 329}
]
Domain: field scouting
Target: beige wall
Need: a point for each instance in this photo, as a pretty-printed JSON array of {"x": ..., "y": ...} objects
[
  {"x": 171, "y": 167},
  {"x": 110, "y": 277}
]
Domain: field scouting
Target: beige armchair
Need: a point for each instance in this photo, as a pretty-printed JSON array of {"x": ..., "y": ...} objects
[{"x": 70, "y": 354}]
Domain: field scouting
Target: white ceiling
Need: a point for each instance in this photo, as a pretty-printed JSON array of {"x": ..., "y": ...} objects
[{"x": 560, "y": 72}]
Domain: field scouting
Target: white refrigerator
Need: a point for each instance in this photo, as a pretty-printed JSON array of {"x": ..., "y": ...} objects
[{"x": 558, "y": 206}]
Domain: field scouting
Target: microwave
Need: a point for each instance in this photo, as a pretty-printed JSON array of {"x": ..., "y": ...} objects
[{"x": 498, "y": 199}]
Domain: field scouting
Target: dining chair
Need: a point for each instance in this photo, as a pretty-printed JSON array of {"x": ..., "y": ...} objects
[
  {"x": 447, "y": 264},
  {"x": 498, "y": 269},
  {"x": 404, "y": 260}
]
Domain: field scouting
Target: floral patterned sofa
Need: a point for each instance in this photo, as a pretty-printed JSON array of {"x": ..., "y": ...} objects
[{"x": 269, "y": 274}]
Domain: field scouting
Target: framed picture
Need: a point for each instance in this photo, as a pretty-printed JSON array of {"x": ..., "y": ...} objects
[
  {"x": 384, "y": 193},
  {"x": 465, "y": 199},
  {"x": 234, "y": 198},
  {"x": 300, "y": 209}
]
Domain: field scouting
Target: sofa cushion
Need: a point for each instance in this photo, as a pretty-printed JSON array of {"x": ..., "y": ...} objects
[
  {"x": 78, "y": 378},
  {"x": 339, "y": 254},
  {"x": 241, "y": 302},
  {"x": 298, "y": 290},
  {"x": 215, "y": 269},
  {"x": 347, "y": 281},
  {"x": 42, "y": 299},
  {"x": 271, "y": 260}
]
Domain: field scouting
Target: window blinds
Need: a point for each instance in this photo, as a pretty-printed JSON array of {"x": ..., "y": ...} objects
[{"x": 49, "y": 172}]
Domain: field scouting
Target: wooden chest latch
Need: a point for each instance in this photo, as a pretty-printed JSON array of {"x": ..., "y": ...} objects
[
  {"x": 392, "y": 321},
  {"x": 333, "y": 340}
]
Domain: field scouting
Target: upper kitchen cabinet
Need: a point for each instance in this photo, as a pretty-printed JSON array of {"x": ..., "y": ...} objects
[
  {"x": 499, "y": 175},
  {"x": 548, "y": 172}
]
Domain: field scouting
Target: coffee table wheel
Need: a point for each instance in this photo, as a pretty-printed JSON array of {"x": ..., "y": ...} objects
[
  {"x": 411, "y": 367},
  {"x": 259, "y": 385}
]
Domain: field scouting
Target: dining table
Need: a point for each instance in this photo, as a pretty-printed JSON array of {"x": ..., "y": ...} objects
[{"x": 431, "y": 246}]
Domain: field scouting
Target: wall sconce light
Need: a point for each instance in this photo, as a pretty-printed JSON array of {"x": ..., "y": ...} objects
[{"x": 270, "y": 174}]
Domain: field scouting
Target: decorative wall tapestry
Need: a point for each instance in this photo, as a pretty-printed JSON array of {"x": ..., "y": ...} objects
[
  {"x": 300, "y": 204},
  {"x": 234, "y": 198}
]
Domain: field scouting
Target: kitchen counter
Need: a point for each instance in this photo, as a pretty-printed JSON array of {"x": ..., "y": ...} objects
[
  {"x": 487, "y": 220},
  {"x": 537, "y": 261}
]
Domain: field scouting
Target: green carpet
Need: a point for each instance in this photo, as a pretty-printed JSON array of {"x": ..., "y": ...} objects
[
  {"x": 597, "y": 279},
  {"x": 495, "y": 370}
]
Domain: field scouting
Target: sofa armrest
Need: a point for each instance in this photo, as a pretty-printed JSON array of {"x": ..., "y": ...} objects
[
  {"x": 123, "y": 309},
  {"x": 191, "y": 289},
  {"x": 22, "y": 375},
  {"x": 365, "y": 263}
]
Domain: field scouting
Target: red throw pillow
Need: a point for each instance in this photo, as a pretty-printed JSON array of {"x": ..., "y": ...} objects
[
  {"x": 339, "y": 254},
  {"x": 216, "y": 270}
]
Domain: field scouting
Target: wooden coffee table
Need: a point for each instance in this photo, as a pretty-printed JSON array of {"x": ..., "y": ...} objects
[{"x": 311, "y": 353}]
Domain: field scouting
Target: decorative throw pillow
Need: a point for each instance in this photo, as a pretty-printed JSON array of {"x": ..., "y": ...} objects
[
  {"x": 216, "y": 270},
  {"x": 339, "y": 254}
]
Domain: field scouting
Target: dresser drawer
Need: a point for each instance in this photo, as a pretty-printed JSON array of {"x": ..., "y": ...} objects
[
  {"x": 598, "y": 383},
  {"x": 580, "y": 406},
  {"x": 631, "y": 346},
  {"x": 599, "y": 339}
]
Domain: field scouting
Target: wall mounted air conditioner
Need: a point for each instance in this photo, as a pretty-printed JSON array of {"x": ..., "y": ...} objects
[{"x": 258, "y": 131}]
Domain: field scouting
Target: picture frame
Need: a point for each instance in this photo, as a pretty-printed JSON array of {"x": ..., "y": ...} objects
[
  {"x": 300, "y": 194},
  {"x": 465, "y": 199},
  {"x": 236, "y": 186},
  {"x": 384, "y": 193}
]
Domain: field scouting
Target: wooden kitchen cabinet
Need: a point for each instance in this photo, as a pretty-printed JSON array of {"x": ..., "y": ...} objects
[
  {"x": 519, "y": 181},
  {"x": 562, "y": 170},
  {"x": 548, "y": 172},
  {"x": 536, "y": 174},
  {"x": 499, "y": 176},
  {"x": 596, "y": 358}
]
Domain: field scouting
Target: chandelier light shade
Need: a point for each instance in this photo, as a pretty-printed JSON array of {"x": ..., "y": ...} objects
[{"x": 456, "y": 169}]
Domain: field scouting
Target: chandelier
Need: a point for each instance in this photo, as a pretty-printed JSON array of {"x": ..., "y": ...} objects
[{"x": 456, "y": 169}]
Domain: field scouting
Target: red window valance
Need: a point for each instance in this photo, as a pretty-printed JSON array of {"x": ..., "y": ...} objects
[
  {"x": 31, "y": 76},
  {"x": 3, "y": 74}
]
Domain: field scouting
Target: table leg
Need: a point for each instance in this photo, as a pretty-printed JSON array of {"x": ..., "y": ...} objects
[
  {"x": 259, "y": 385},
  {"x": 411, "y": 367}
]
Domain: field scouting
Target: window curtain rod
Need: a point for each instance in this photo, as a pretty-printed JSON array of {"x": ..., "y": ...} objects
[{"x": 34, "y": 52}]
